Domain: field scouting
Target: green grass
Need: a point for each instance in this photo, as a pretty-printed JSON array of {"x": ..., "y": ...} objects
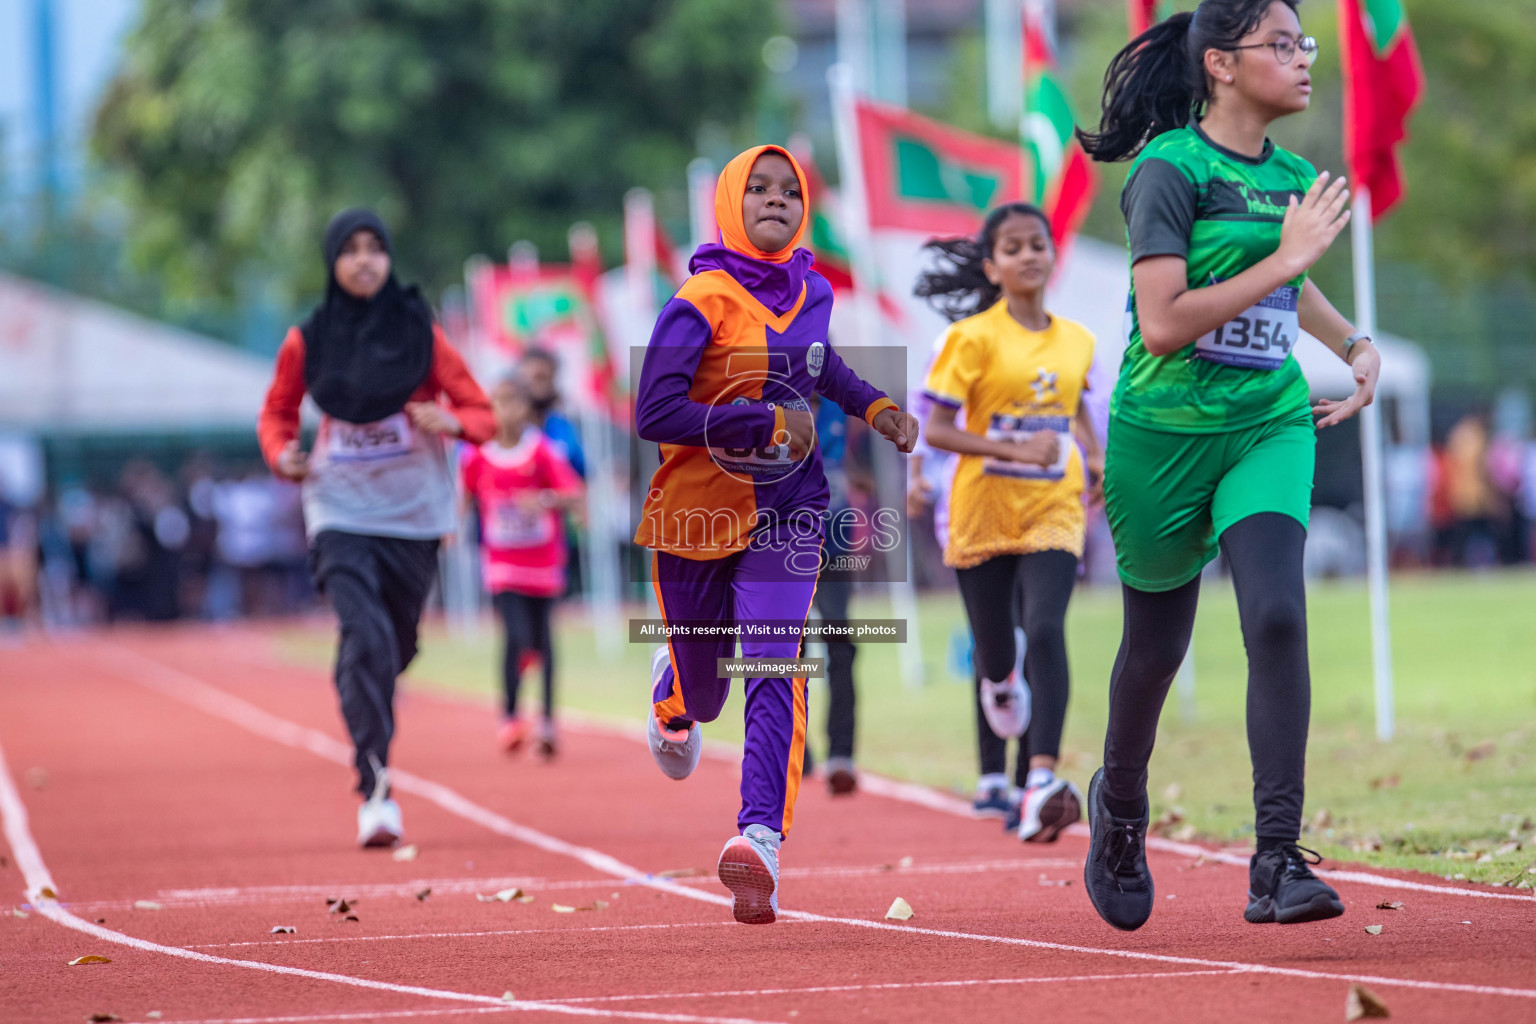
[{"x": 1452, "y": 794}]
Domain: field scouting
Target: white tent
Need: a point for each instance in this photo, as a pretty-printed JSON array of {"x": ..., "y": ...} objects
[{"x": 70, "y": 365}]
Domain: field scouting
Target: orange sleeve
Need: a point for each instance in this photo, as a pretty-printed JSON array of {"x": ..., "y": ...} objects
[
  {"x": 878, "y": 406},
  {"x": 466, "y": 399},
  {"x": 279, "y": 420}
]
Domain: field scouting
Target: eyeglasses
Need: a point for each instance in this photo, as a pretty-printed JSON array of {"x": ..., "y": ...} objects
[{"x": 1285, "y": 48}]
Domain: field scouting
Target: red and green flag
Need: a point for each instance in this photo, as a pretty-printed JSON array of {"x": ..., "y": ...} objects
[
  {"x": 1143, "y": 14},
  {"x": 1383, "y": 80},
  {"x": 1062, "y": 179},
  {"x": 921, "y": 175},
  {"x": 825, "y": 241}
]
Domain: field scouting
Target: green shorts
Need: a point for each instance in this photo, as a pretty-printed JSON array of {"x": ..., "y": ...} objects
[{"x": 1169, "y": 496}]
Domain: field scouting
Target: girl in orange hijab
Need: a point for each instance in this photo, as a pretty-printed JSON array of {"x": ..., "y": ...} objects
[{"x": 736, "y": 511}]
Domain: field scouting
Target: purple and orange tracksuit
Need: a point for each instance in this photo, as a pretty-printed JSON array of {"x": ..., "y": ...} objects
[{"x": 735, "y": 524}]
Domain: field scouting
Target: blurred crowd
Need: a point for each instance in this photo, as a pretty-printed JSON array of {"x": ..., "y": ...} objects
[
  {"x": 211, "y": 542},
  {"x": 223, "y": 540}
]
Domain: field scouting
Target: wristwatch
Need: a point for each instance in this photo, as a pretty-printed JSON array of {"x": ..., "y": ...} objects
[{"x": 1353, "y": 340}]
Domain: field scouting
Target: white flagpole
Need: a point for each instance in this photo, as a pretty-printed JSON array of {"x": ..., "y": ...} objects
[
  {"x": 1005, "y": 60},
  {"x": 1370, "y": 458},
  {"x": 854, "y": 205},
  {"x": 701, "y": 201}
]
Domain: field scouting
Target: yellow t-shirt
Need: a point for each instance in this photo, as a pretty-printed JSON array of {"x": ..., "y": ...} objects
[{"x": 1012, "y": 382}]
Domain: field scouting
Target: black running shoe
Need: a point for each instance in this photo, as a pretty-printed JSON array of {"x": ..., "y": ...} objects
[
  {"x": 1115, "y": 872},
  {"x": 1283, "y": 889}
]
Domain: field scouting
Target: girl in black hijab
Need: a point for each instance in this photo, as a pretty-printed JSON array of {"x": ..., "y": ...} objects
[{"x": 378, "y": 495}]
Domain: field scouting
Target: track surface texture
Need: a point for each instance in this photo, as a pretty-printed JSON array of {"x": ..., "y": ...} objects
[{"x": 193, "y": 769}]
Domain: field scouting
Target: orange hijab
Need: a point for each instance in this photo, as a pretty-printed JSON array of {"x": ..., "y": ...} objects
[{"x": 730, "y": 190}]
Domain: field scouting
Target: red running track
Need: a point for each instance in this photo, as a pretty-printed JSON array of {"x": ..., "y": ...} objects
[{"x": 192, "y": 769}]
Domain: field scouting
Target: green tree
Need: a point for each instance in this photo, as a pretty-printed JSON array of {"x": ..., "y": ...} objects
[{"x": 237, "y": 127}]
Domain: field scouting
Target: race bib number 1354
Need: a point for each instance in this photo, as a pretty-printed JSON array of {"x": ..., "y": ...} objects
[{"x": 1259, "y": 338}]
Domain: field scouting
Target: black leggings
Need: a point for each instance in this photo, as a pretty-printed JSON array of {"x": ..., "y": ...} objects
[
  {"x": 526, "y": 630},
  {"x": 1264, "y": 552},
  {"x": 1029, "y": 590}
]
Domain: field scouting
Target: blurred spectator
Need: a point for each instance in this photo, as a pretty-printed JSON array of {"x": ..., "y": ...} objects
[{"x": 1476, "y": 505}]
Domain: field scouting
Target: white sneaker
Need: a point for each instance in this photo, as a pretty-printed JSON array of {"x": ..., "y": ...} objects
[
  {"x": 676, "y": 751},
  {"x": 378, "y": 819},
  {"x": 1006, "y": 705},
  {"x": 378, "y": 823},
  {"x": 749, "y": 867},
  {"x": 1047, "y": 810}
]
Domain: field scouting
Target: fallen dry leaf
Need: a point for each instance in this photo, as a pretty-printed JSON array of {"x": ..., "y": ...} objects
[
  {"x": 1390, "y": 905},
  {"x": 508, "y": 997},
  {"x": 405, "y": 853},
  {"x": 153, "y": 1015},
  {"x": 282, "y": 929},
  {"x": 102, "y": 1018},
  {"x": 1386, "y": 782},
  {"x": 91, "y": 959},
  {"x": 1373, "y": 929},
  {"x": 1505, "y": 849},
  {"x": 350, "y": 917},
  {"x": 1322, "y": 819},
  {"x": 504, "y": 896},
  {"x": 1481, "y": 751},
  {"x": 1167, "y": 821},
  {"x": 18, "y": 912},
  {"x": 905, "y": 862},
  {"x": 561, "y": 908},
  {"x": 47, "y": 893},
  {"x": 1184, "y": 834},
  {"x": 1055, "y": 881},
  {"x": 524, "y": 898},
  {"x": 679, "y": 873},
  {"x": 1172, "y": 792},
  {"x": 147, "y": 905},
  {"x": 1362, "y": 1002},
  {"x": 422, "y": 894},
  {"x": 101, "y": 920},
  {"x": 900, "y": 910},
  {"x": 340, "y": 906}
]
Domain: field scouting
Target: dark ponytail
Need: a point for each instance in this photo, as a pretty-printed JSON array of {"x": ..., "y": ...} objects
[
  {"x": 1158, "y": 82},
  {"x": 960, "y": 288}
]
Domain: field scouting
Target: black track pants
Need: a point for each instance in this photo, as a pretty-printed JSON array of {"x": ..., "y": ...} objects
[{"x": 378, "y": 586}]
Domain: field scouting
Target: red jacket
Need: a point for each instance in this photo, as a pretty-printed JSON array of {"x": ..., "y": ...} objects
[{"x": 279, "y": 420}]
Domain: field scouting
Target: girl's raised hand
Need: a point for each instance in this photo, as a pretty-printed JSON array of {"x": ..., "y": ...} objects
[
  {"x": 1311, "y": 225},
  {"x": 900, "y": 428}
]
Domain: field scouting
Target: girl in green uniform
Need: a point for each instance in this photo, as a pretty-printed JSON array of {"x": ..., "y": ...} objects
[{"x": 1211, "y": 440}]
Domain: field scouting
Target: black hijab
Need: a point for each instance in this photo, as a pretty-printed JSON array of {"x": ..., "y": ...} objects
[{"x": 363, "y": 358}]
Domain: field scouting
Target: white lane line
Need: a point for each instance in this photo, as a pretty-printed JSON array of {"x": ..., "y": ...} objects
[
  {"x": 18, "y": 834},
  {"x": 223, "y": 896},
  {"x": 182, "y": 686},
  {"x": 463, "y": 935},
  {"x": 899, "y": 985},
  {"x": 818, "y": 990}
]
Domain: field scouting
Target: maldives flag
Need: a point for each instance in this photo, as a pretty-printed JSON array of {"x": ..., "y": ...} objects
[
  {"x": 1062, "y": 178},
  {"x": 1382, "y": 82},
  {"x": 921, "y": 175},
  {"x": 1143, "y": 14},
  {"x": 825, "y": 241}
]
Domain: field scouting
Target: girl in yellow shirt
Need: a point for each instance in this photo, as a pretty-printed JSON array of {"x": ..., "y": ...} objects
[{"x": 1016, "y": 516}]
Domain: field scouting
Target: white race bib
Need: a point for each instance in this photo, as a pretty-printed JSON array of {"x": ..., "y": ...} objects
[
  {"x": 509, "y": 525},
  {"x": 357, "y": 442},
  {"x": 1260, "y": 338},
  {"x": 772, "y": 460},
  {"x": 1020, "y": 428}
]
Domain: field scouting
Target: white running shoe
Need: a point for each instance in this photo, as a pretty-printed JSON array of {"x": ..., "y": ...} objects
[
  {"x": 1047, "y": 810},
  {"x": 1006, "y": 705},
  {"x": 378, "y": 819},
  {"x": 749, "y": 867},
  {"x": 676, "y": 751}
]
